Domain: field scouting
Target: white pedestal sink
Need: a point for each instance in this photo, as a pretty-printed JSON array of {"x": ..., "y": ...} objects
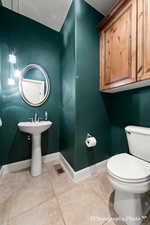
[{"x": 35, "y": 128}]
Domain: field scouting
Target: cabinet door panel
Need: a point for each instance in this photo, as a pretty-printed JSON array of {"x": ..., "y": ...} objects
[
  {"x": 118, "y": 49},
  {"x": 143, "y": 63}
]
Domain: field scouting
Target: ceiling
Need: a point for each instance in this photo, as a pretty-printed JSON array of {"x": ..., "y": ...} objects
[
  {"x": 103, "y": 6},
  {"x": 52, "y": 13}
]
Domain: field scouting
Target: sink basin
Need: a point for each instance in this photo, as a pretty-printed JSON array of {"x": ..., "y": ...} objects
[{"x": 35, "y": 128}]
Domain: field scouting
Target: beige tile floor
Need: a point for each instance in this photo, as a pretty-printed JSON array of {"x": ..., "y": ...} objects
[{"x": 52, "y": 199}]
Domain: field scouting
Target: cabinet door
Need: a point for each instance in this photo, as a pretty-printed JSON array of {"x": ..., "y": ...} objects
[
  {"x": 143, "y": 56},
  {"x": 118, "y": 48}
]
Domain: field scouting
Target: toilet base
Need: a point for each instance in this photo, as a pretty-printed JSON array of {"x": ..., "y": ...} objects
[{"x": 132, "y": 208}]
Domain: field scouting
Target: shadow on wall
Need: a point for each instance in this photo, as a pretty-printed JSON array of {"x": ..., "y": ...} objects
[
  {"x": 25, "y": 143},
  {"x": 83, "y": 105},
  {"x": 32, "y": 43},
  {"x": 127, "y": 108}
]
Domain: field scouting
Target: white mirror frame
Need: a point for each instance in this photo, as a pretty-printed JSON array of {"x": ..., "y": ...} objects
[{"x": 26, "y": 69}]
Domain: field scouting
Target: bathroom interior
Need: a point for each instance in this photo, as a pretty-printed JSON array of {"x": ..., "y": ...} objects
[{"x": 75, "y": 112}]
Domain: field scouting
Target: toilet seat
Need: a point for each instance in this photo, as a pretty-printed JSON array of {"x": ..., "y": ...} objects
[{"x": 128, "y": 168}]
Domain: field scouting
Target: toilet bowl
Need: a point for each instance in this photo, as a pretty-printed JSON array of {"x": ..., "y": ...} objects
[{"x": 130, "y": 177}]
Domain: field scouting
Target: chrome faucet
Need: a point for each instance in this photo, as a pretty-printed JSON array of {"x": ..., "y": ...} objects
[
  {"x": 35, "y": 117},
  {"x": 46, "y": 115}
]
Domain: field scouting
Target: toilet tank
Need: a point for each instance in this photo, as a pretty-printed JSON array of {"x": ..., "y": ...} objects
[{"x": 139, "y": 141}]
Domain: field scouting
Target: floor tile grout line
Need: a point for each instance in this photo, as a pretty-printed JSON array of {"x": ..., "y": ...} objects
[
  {"x": 29, "y": 210},
  {"x": 61, "y": 213},
  {"x": 104, "y": 201},
  {"x": 38, "y": 205},
  {"x": 13, "y": 193},
  {"x": 92, "y": 191},
  {"x": 60, "y": 210},
  {"x": 56, "y": 197}
]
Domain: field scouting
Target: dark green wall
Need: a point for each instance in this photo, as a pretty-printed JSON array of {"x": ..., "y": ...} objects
[
  {"x": 127, "y": 108},
  {"x": 71, "y": 59},
  {"x": 32, "y": 43},
  {"x": 68, "y": 121},
  {"x": 86, "y": 109},
  {"x": 83, "y": 105},
  {"x": 91, "y": 114}
]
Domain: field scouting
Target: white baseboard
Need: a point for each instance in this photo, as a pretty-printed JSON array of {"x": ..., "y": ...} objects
[
  {"x": 51, "y": 157},
  {"x": 70, "y": 171},
  {"x": 17, "y": 166},
  {"x": 84, "y": 173},
  {"x": 1, "y": 172},
  {"x": 14, "y": 167},
  {"x": 76, "y": 176},
  {"x": 90, "y": 171}
]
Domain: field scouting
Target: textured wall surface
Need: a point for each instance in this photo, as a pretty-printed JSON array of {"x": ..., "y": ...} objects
[
  {"x": 32, "y": 43},
  {"x": 68, "y": 120},
  {"x": 87, "y": 109},
  {"x": 83, "y": 105},
  {"x": 127, "y": 108},
  {"x": 75, "y": 106},
  {"x": 91, "y": 114}
]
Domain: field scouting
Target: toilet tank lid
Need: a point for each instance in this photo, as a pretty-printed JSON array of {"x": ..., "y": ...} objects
[{"x": 138, "y": 129}]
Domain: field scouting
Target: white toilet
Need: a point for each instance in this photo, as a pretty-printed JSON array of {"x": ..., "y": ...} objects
[{"x": 130, "y": 177}]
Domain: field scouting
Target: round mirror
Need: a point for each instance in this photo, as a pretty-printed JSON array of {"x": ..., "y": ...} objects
[{"x": 34, "y": 85}]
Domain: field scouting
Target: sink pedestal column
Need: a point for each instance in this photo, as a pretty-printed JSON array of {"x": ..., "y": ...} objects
[{"x": 36, "y": 162}]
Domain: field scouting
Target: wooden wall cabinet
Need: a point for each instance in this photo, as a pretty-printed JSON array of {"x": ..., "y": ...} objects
[
  {"x": 143, "y": 56},
  {"x": 125, "y": 46}
]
